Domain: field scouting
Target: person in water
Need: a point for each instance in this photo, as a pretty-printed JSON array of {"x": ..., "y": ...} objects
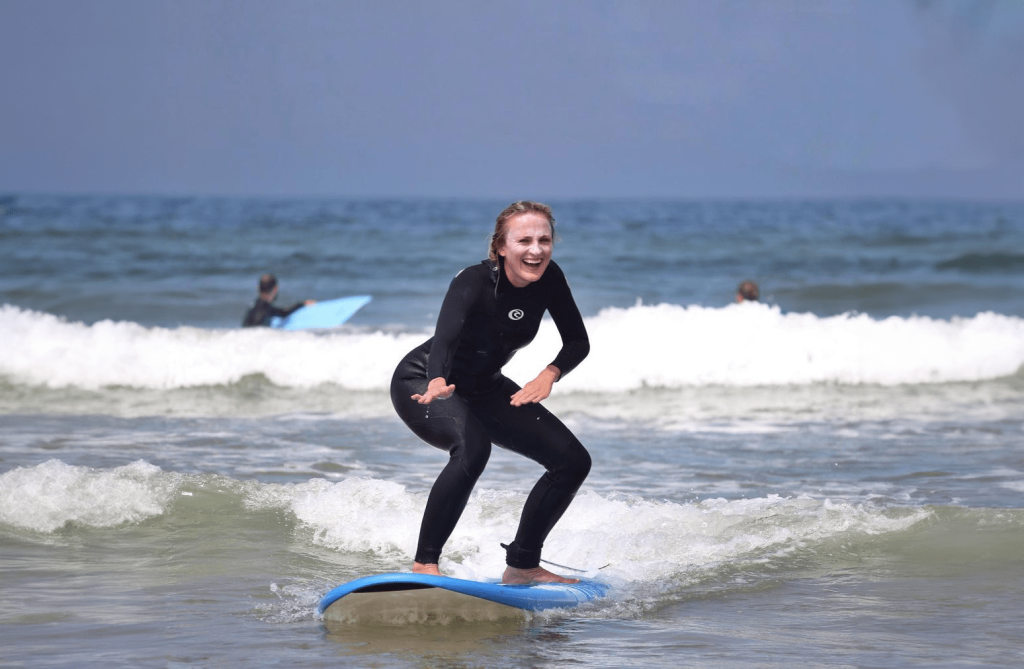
[
  {"x": 747, "y": 292},
  {"x": 451, "y": 392},
  {"x": 264, "y": 310}
]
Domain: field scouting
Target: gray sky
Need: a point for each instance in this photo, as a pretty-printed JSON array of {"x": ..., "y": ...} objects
[{"x": 676, "y": 98}]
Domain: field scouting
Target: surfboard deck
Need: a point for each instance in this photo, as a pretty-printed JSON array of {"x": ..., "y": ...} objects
[
  {"x": 408, "y": 598},
  {"x": 322, "y": 315}
]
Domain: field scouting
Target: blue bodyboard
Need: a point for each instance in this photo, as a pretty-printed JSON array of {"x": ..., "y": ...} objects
[
  {"x": 322, "y": 315},
  {"x": 534, "y": 597}
]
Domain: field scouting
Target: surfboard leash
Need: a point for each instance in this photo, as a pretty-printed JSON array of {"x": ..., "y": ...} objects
[{"x": 562, "y": 566}]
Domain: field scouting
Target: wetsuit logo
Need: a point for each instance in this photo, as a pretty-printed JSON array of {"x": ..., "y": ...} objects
[{"x": 515, "y": 314}]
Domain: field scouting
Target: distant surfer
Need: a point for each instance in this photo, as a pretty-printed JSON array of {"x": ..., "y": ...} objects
[
  {"x": 492, "y": 310},
  {"x": 747, "y": 292},
  {"x": 264, "y": 310}
]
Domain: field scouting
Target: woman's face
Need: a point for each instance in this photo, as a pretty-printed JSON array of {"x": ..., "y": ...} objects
[{"x": 527, "y": 248}]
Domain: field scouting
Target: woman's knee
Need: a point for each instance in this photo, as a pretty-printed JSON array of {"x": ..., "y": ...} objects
[
  {"x": 466, "y": 446},
  {"x": 574, "y": 467},
  {"x": 474, "y": 450}
]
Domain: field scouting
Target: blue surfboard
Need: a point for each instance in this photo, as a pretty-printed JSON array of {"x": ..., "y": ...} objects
[
  {"x": 404, "y": 592},
  {"x": 322, "y": 315}
]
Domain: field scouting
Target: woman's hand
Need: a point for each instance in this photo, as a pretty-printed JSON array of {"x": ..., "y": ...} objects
[
  {"x": 538, "y": 389},
  {"x": 437, "y": 389}
]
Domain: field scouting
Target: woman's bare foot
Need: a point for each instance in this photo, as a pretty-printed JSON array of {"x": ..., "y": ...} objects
[
  {"x": 420, "y": 568},
  {"x": 513, "y": 576}
]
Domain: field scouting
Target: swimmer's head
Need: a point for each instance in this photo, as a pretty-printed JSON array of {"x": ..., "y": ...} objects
[
  {"x": 268, "y": 282},
  {"x": 747, "y": 291}
]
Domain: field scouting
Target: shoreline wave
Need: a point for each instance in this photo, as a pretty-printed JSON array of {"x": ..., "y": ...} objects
[
  {"x": 638, "y": 539},
  {"x": 657, "y": 346}
]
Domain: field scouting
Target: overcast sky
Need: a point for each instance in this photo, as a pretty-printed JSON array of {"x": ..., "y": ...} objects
[{"x": 544, "y": 99}]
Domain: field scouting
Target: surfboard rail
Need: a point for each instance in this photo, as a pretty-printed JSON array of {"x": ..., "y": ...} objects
[
  {"x": 531, "y": 597},
  {"x": 322, "y": 315}
]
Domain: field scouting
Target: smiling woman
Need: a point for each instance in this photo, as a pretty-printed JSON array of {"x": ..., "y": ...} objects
[
  {"x": 524, "y": 238},
  {"x": 491, "y": 311}
]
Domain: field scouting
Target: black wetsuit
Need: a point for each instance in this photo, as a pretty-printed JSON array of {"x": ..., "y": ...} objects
[
  {"x": 263, "y": 311},
  {"x": 483, "y": 321}
]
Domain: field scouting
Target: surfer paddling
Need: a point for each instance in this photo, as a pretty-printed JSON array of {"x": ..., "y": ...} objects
[
  {"x": 451, "y": 393},
  {"x": 263, "y": 310}
]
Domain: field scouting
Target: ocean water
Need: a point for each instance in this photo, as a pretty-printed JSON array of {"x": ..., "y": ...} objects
[{"x": 831, "y": 477}]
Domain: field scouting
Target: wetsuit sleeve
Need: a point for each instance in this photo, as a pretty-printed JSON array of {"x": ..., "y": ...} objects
[
  {"x": 282, "y": 313},
  {"x": 262, "y": 312},
  {"x": 462, "y": 293},
  {"x": 565, "y": 313}
]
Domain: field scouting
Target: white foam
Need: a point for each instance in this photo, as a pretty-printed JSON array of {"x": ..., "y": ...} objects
[
  {"x": 42, "y": 349},
  {"x": 624, "y": 538},
  {"x": 665, "y": 346},
  {"x": 360, "y": 514},
  {"x": 750, "y": 344},
  {"x": 633, "y": 538},
  {"x": 50, "y": 495}
]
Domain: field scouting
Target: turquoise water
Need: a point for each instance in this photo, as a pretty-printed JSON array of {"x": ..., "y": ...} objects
[{"x": 830, "y": 477}]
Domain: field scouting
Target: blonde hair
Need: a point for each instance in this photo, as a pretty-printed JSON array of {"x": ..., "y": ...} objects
[{"x": 514, "y": 209}]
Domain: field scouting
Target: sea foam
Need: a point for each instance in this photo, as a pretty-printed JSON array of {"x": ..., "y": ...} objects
[
  {"x": 624, "y": 537},
  {"x": 620, "y": 537},
  {"x": 662, "y": 346},
  {"x": 50, "y": 495}
]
